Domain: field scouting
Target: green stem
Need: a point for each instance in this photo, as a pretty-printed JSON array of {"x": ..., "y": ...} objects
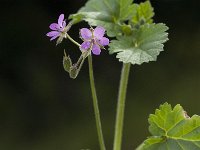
[
  {"x": 72, "y": 40},
  {"x": 95, "y": 104},
  {"x": 81, "y": 64},
  {"x": 121, "y": 106}
]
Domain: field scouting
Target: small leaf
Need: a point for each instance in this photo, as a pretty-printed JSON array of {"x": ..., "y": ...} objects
[
  {"x": 143, "y": 45},
  {"x": 145, "y": 12},
  {"x": 172, "y": 129},
  {"x": 127, "y": 10}
]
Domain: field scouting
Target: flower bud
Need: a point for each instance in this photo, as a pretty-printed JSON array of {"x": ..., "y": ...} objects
[
  {"x": 73, "y": 71},
  {"x": 67, "y": 63}
]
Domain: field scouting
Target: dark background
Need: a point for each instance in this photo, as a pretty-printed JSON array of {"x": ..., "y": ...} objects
[{"x": 41, "y": 108}]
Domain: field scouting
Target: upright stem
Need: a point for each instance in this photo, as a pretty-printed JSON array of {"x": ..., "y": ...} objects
[
  {"x": 95, "y": 104},
  {"x": 121, "y": 106}
]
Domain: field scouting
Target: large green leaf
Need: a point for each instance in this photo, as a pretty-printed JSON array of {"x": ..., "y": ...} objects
[
  {"x": 106, "y": 13},
  {"x": 143, "y": 45},
  {"x": 172, "y": 129}
]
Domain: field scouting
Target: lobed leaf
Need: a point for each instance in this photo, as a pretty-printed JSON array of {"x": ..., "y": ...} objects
[
  {"x": 143, "y": 45},
  {"x": 172, "y": 129}
]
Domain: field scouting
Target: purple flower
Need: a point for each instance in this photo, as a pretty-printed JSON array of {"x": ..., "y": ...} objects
[
  {"x": 93, "y": 39},
  {"x": 59, "y": 29}
]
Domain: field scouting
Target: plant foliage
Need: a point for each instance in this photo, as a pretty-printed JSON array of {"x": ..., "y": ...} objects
[
  {"x": 138, "y": 39},
  {"x": 172, "y": 129},
  {"x": 143, "y": 45}
]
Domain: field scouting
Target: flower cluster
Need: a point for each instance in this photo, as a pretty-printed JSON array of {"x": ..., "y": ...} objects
[
  {"x": 93, "y": 42},
  {"x": 93, "y": 39}
]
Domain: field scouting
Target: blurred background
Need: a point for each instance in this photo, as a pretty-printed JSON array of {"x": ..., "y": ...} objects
[{"x": 41, "y": 108}]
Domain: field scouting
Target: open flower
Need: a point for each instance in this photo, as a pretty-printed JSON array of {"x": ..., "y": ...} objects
[
  {"x": 93, "y": 39},
  {"x": 59, "y": 29}
]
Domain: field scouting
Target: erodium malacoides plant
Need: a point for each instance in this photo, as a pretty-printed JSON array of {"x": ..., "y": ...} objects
[{"x": 136, "y": 39}]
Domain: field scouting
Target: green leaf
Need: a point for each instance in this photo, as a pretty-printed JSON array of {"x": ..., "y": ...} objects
[
  {"x": 143, "y": 45},
  {"x": 172, "y": 129},
  {"x": 145, "y": 12},
  {"x": 107, "y": 13},
  {"x": 127, "y": 9}
]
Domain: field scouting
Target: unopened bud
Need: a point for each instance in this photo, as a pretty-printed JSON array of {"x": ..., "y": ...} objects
[
  {"x": 73, "y": 71},
  {"x": 67, "y": 63}
]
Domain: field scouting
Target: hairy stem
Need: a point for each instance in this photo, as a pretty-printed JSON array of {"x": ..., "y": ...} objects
[
  {"x": 72, "y": 40},
  {"x": 121, "y": 106},
  {"x": 95, "y": 104}
]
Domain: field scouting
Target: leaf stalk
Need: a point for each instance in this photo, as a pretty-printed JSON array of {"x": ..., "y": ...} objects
[{"x": 121, "y": 106}]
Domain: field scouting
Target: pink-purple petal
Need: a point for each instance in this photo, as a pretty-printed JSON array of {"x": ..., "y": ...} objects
[
  {"x": 85, "y": 45},
  {"x": 85, "y": 33},
  {"x": 99, "y": 32},
  {"x": 60, "y": 20},
  {"x": 53, "y": 33},
  {"x": 104, "y": 41},
  {"x": 96, "y": 49},
  {"x": 54, "y": 37},
  {"x": 54, "y": 26},
  {"x": 64, "y": 24}
]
